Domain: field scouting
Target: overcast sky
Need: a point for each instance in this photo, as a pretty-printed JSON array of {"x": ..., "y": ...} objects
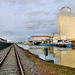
[{"x": 20, "y": 19}]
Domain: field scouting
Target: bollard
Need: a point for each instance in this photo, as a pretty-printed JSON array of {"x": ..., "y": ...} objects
[{"x": 46, "y": 51}]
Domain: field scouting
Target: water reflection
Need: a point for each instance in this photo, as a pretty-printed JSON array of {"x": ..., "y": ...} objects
[
  {"x": 66, "y": 58},
  {"x": 62, "y": 56}
]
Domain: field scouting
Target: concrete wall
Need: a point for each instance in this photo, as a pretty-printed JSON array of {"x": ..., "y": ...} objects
[{"x": 66, "y": 26}]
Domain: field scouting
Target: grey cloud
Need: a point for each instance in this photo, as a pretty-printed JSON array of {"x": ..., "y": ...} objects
[
  {"x": 8, "y": 32},
  {"x": 20, "y": 1},
  {"x": 60, "y": 0},
  {"x": 42, "y": 27},
  {"x": 38, "y": 12}
]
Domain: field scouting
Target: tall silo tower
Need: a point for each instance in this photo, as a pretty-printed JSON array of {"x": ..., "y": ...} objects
[{"x": 66, "y": 23}]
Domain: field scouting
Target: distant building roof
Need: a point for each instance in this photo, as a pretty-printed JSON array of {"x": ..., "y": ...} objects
[{"x": 40, "y": 36}]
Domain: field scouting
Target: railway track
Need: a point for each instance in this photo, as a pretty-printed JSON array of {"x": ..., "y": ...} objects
[{"x": 10, "y": 64}]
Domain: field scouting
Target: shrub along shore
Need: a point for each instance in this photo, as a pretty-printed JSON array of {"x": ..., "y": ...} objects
[{"x": 48, "y": 68}]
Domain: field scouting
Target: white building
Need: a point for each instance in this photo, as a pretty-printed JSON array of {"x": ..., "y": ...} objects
[
  {"x": 38, "y": 39},
  {"x": 55, "y": 40}
]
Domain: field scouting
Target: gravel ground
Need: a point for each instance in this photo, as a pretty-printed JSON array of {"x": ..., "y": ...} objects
[
  {"x": 3, "y": 53},
  {"x": 10, "y": 66}
]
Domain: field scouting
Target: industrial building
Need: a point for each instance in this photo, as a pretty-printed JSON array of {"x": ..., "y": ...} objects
[
  {"x": 66, "y": 24},
  {"x": 4, "y": 40},
  {"x": 36, "y": 40}
]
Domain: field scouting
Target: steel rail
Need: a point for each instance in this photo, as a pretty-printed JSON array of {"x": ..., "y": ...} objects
[{"x": 19, "y": 62}]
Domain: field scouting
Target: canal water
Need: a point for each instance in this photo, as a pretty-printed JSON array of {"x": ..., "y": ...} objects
[{"x": 61, "y": 56}]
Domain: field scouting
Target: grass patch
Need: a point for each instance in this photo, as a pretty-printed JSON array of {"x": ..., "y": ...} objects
[{"x": 46, "y": 68}]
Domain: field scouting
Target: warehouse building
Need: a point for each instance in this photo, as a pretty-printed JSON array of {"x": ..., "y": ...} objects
[{"x": 36, "y": 40}]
